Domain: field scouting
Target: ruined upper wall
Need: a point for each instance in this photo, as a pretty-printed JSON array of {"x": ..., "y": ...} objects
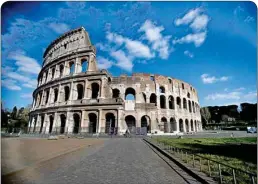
[{"x": 71, "y": 42}]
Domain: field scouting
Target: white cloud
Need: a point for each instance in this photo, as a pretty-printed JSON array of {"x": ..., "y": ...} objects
[
  {"x": 103, "y": 47},
  {"x": 30, "y": 84},
  {"x": 249, "y": 19},
  {"x": 219, "y": 96},
  {"x": 104, "y": 63},
  {"x": 250, "y": 95},
  {"x": 26, "y": 95},
  {"x": 25, "y": 64},
  {"x": 123, "y": 61},
  {"x": 17, "y": 76},
  {"x": 188, "y": 17},
  {"x": 206, "y": 79},
  {"x": 159, "y": 42},
  {"x": 10, "y": 84},
  {"x": 59, "y": 28},
  {"x": 240, "y": 89},
  {"x": 196, "y": 38},
  {"x": 200, "y": 23},
  {"x": 188, "y": 53}
]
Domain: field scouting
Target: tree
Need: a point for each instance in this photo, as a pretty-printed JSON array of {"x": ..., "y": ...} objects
[{"x": 205, "y": 113}]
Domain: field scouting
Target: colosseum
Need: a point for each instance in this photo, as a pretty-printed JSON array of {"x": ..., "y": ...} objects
[{"x": 73, "y": 96}]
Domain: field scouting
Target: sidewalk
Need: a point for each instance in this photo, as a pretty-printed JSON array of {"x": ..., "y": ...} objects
[{"x": 18, "y": 153}]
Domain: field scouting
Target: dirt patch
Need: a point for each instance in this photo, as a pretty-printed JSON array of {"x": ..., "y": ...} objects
[{"x": 18, "y": 153}]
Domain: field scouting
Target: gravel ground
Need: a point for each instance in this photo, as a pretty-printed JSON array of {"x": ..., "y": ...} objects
[{"x": 124, "y": 160}]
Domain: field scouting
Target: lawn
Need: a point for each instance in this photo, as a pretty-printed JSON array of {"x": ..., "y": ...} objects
[{"x": 239, "y": 153}]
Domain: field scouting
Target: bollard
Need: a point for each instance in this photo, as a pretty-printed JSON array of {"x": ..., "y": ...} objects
[
  {"x": 209, "y": 167},
  {"x": 220, "y": 176},
  {"x": 234, "y": 176}
]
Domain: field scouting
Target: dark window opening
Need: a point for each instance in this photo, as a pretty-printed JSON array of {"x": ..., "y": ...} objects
[
  {"x": 53, "y": 73},
  {"x": 164, "y": 121},
  {"x": 93, "y": 123},
  {"x": 56, "y": 95},
  {"x": 67, "y": 93},
  {"x": 131, "y": 123},
  {"x": 144, "y": 97},
  {"x": 181, "y": 126},
  {"x": 116, "y": 93},
  {"x": 162, "y": 89},
  {"x": 84, "y": 64},
  {"x": 47, "y": 96},
  {"x": 95, "y": 90},
  {"x": 76, "y": 120},
  {"x": 61, "y": 70},
  {"x": 170, "y": 81},
  {"x": 51, "y": 120},
  {"x": 80, "y": 91},
  {"x": 110, "y": 122},
  {"x": 130, "y": 94},
  {"x": 42, "y": 123},
  {"x": 152, "y": 78},
  {"x": 63, "y": 121},
  {"x": 189, "y": 106},
  {"x": 65, "y": 45},
  {"x": 71, "y": 68},
  {"x": 184, "y": 103},
  {"x": 183, "y": 86},
  {"x": 188, "y": 95},
  {"x": 153, "y": 99},
  {"x": 171, "y": 102},
  {"x": 178, "y": 102},
  {"x": 162, "y": 102}
]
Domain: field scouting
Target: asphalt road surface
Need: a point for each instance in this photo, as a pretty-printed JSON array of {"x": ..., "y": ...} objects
[{"x": 117, "y": 161}]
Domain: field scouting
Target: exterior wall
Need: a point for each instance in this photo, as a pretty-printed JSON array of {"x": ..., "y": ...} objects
[{"x": 84, "y": 98}]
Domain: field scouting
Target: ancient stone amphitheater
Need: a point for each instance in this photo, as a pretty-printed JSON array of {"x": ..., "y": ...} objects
[{"x": 73, "y": 96}]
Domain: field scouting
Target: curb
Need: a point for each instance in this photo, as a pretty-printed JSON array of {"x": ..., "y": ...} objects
[
  {"x": 194, "y": 174},
  {"x": 45, "y": 160}
]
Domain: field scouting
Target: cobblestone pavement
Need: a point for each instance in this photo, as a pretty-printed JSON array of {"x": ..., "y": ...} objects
[{"x": 123, "y": 160}]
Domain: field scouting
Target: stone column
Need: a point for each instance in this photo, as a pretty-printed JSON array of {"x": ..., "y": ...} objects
[
  {"x": 71, "y": 93},
  {"x": 85, "y": 89},
  {"x": 184, "y": 127},
  {"x": 82, "y": 124},
  {"x": 77, "y": 66},
  {"x": 101, "y": 90},
  {"x": 99, "y": 121},
  {"x": 69, "y": 122}
]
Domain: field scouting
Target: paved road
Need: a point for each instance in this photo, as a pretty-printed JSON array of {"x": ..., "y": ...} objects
[{"x": 116, "y": 161}]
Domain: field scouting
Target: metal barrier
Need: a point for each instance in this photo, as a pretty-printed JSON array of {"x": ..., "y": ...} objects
[{"x": 219, "y": 171}]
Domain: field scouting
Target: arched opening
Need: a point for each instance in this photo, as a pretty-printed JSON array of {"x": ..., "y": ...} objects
[
  {"x": 55, "y": 94},
  {"x": 84, "y": 65},
  {"x": 95, "y": 90},
  {"x": 170, "y": 81},
  {"x": 35, "y": 123},
  {"x": 131, "y": 123},
  {"x": 51, "y": 122},
  {"x": 195, "y": 125},
  {"x": 109, "y": 79},
  {"x": 172, "y": 125},
  {"x": 184, "y": 103},
  {"x": 53, "y": 73},
  {"x": 192, "y": 126},
  {"x": 42, "y": 123},
  {"x": 152, "y": 78},
  {"x": 188, "y": 95},
  {"x": 67, "y": 92},
  {"x": 187, "y": 125},
  {"x": 130, "y": 94},
  {"x": 46, "y": 76},
  {"x": 79, "y": 91},
  {"x": 71, "y": 67},
  {"x": 63, "y": 121},
  {"x": 178, "y": 102},
  {"x": 171, "y": 102},
  {"x": 165, "y": 123},
  {"x": 144, "y": 97},
  {"x": 162, "y": 102},
  {"x": 110, "y": 122},
  {"x": 183, "y": 86},
  {"x": 153, "y": 99},
  {"x": 47, "y": 96},
  {"x": 193, "y": 107},
  {"x": 116, "y": 93},
  {"x": 92, "y": 123},
  {"x": 76, "y": 123},
  {"x": 161, "y": 89},
  {"x": 181, "y": 125},
  {"x": 61, "y": 69},
  {"x": 144, "y": 122},
  {"x": 189, "y": 106}
]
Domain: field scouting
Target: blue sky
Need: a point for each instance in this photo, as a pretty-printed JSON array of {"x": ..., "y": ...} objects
[{"x": 211, "y": 45}]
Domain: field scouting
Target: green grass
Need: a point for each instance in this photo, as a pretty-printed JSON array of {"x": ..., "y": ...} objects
[{"x": 236, "y": 152}]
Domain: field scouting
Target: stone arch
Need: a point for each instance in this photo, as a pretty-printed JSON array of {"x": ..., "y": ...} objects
[
  {"x": 110, "y": 122},
  {"x": 63, "y": 122},
  {"x": 130, "y": 94},
  {"x": 80, "y": 91},
  {"x": 162, "y": 102},
  {"x": 51, "y": 122},
  {"x": 162, "y": 89},
  {"x": 42, "y": 123},
  {"x": 67, "y": 92},
  {"x": 153, "y": 99},
  {"x": 71, "y": 67},
  {"x": 181, "y": 125},
  {"x": 61, "y": 70},
  {"x": 115, "y": 93},
  {"x": 187, "y": 125},
  {"x": 165, "y": 123},
  {"x": 53, "y": 72},
  {"x": 171, "y": 102},
  {"x": 193, "y": 107},
  {"x": 188, "y": 95},
  {"x": 76, "y": 123},
  {"x": 178, "y": 102},
  {"x": 184, "y": 103},
  {"x": 55, "y": 94},
  {"x": 189, "y": 106},
  {"x": 130, "y": 122},
  {"x": 94, "y": 90},
  {"x": 173, "y": 125},
  {"x": 192, "y": 126},
  {"x": 84, "y": 65},
  {"x": 92, "y": 123},
  {"x": 146, "y": 122}
]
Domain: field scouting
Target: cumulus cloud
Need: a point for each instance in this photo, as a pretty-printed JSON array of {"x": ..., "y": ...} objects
[
  {"x": 231, "y": 95},
  {"x": 188, "y": 53},
  {"x": 188, "y": 17},
  {"x": 10, "y": 84},
  {"x": 159, "y": 42},
  {"x": 104, "y": 63},
  {"x": 59, "y": 28},
  {"x": 200, "y": 23},
  {"x": 196, "y": 38},
  {"x": 206, "y": 79},
  {"x": 25, "y": 64},
  {"x": 123, "y": 61}
]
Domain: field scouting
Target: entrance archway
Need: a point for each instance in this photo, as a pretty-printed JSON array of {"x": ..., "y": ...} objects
[
  {"x": 76, "y": 121},
  {"x": 172, "y": 125},
  {"x": 164, "y": 121},
  {"x": 131, "y": 123},
  {"x": 63, "y": 121},
  {"x": 51, "y": 122},
  {"x": 42, "y": 123},
  {"x": 181, "y": 125},
  {"x": 92, "y": 123},
  {"x": 110, "y": 122},
  {"x": 187, "y": 125}
]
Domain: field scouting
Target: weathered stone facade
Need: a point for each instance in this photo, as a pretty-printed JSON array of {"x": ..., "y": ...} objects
[{"x": 74, "y": 96}]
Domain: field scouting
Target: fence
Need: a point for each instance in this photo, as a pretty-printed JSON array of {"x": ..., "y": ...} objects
[{"x": 219, "y": 171}]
